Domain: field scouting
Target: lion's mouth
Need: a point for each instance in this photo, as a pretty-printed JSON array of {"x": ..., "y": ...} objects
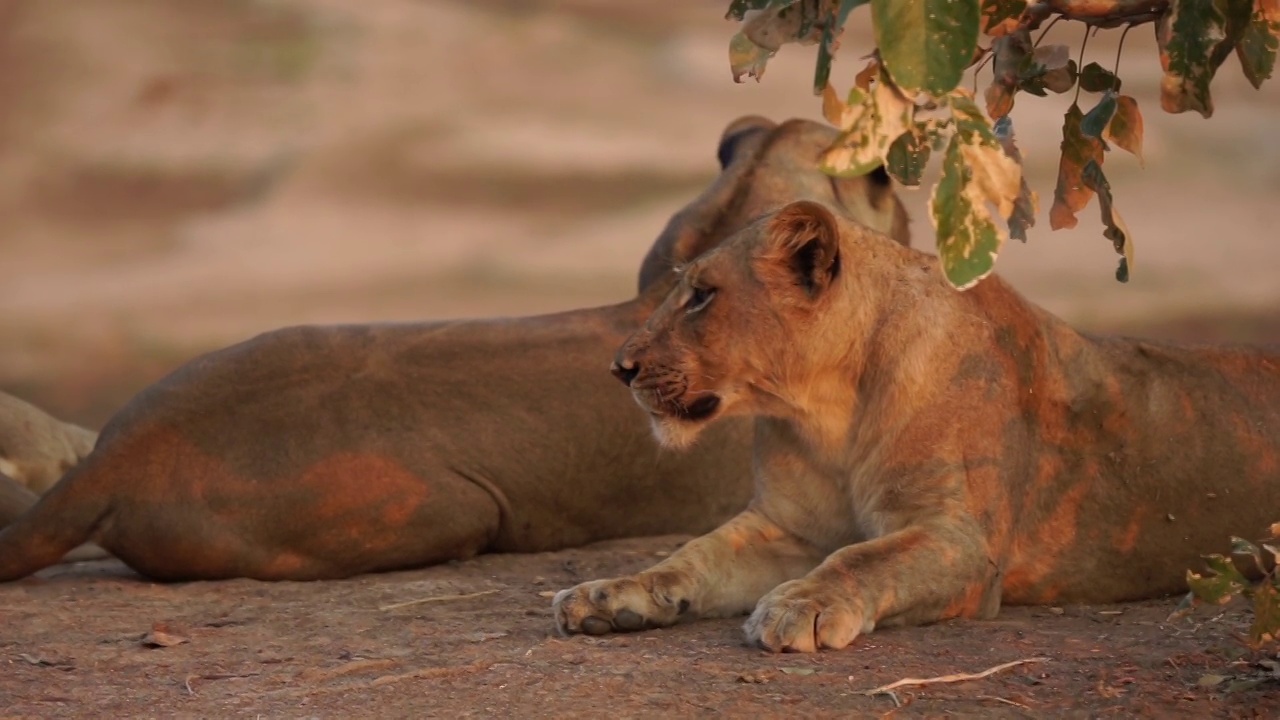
[{"x": 700, "y": 409}]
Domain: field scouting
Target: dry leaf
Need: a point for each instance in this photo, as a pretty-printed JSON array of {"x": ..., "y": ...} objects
[
  {"x": 161, "y": 636},
  {"x": 1125, "y": 128}
]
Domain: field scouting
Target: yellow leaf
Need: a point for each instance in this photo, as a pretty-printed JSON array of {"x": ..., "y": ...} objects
[
  {"x": 867, "y": 74},
  {"x": 893, "y": 108},
  {"x": 871, "y": 124},
  {"x": 845, "y": 115},
  {"x": 996, "y": 178},
  {"x": 832, "y": 108}
]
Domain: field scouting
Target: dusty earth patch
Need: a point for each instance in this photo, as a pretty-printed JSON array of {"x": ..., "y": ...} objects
[{"x": 97, "y": 641}]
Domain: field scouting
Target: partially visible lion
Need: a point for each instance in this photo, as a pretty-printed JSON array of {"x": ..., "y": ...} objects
[
  {"x": 323, "y": 452},
  {"x": 923, "y": 453},
  {"x": 37, "y": 448}
]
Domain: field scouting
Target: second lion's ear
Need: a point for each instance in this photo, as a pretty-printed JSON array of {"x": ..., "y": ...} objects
[
  {"x": 804, "y": 240},
  {"x": 735, "y": 132}
]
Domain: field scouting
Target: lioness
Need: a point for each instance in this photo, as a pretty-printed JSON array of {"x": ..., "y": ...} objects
[
  {"x": 37, "y": 448},
  {"x": 323, "y": 452},
  {"x": 923, "y": 453}
]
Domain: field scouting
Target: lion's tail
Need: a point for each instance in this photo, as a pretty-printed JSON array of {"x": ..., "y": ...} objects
[{"x": 63, "y": 519}]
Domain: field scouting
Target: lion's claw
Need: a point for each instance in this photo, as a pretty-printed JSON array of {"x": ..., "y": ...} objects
[
  {"x": 621, "y": 605},
  {"x": 797, "y": 618}
]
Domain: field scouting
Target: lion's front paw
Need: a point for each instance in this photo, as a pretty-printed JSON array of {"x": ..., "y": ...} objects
[
  {"x": 621, "y": 605},
  {"x": 796, "y": 616}
]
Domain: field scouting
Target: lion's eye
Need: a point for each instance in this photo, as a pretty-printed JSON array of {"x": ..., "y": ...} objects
[{"x": 699, "y": 299}]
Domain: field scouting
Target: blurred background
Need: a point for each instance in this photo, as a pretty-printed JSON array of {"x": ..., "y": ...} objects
[{"x": 178, "y": 175}]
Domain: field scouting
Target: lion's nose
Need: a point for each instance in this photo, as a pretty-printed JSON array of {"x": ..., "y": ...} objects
[{"x": 625, "y": 370}]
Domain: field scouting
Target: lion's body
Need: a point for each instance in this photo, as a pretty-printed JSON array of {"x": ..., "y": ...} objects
[
  {"x": 323, "y": 452},
  {"x": 923, "y": 453}
]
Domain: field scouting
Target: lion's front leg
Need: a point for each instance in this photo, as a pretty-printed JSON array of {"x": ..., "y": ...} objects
[
  {"x": 720, "y": 574},
  {"x": 920, "y": 574}
]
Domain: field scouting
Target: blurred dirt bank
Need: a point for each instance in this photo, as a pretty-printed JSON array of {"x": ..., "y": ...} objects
[{"x": 176, "y": 176}]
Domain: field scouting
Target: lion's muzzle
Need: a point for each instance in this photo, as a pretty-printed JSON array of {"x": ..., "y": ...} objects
[{"x": 625, "y": 370}]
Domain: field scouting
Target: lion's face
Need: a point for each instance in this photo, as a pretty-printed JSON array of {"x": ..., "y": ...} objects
[
  {"x": 765, "y": 165},
  {"x": 733, "y": 335}
]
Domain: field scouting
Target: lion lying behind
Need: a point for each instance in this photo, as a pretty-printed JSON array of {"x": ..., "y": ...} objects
[
  {"x": 924, "y": 454},
  {"x": 324, "y": 452}
]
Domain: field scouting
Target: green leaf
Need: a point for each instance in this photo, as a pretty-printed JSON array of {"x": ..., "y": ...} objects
[
  {"x": 1071, "y": 196},
  {"x": 1025, "y": 207},
  {"x": 1223, "y": 581},
  {"x": 968, "y": 239},
  {"x": 969, "y": 121},
  {"x": 1125, "y": 129},
  {"x": 926, "y": 44},
  {"x": 872, "y": 122},
  {"x": 1097, "y": 119},
  {"x": 1116, "y": 231},
  {"x": 909, "y": 155},
  {"x": 1194, "y": 37},
  {"x": 1000, "y": 17},
  {"x": 1095, "y": 78},
  {"x": 1240, "y": 546},
  {"x": 1266, "y": 613},
  {"x": 832, "y": 27},
  {"x": 1259, "y": 43},
  {"x": 773, "y": 25},
  {"x": 747, "y": 58}
]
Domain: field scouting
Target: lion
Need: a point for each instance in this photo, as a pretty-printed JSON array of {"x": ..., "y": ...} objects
[
  {"x": 37, "y": 448},
  {"x": 325, "y": 452},
  {"x": 924, "y": 454}
]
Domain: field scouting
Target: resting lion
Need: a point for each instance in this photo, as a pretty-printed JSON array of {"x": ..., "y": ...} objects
[
  {"x": 923, "y": 453},
  {"x": 36, "y": 448},
  {"x": 324, "y": 452}
]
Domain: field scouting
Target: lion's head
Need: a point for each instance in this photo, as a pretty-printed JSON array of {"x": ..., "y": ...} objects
[
  {"x": 762, "y": 325},
  {"x": 765, "y": 165}
]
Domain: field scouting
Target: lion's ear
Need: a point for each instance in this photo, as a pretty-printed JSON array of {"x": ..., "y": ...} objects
[
  {"x": 804, "y": 241},
  {"x": 735, "y": 132}
]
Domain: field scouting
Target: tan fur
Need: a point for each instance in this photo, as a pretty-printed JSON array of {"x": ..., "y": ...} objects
[
  {"x": 36, "y": 448},
  {"x": 923, "y": 453},
  {"x": 321, "y": 452}
]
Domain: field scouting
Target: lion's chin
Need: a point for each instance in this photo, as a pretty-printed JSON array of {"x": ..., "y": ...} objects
[
  {"x": 680, "y": 429},
  {"x": 675, "y": 433}
]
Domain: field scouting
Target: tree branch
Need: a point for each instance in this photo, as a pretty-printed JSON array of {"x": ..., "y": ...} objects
[{"x": 1097, "y": 13}]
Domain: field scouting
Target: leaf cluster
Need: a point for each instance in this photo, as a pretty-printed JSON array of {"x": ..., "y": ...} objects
[
  {"x": 1223, "y": 582},
  {"x": 907, "y": 104}
]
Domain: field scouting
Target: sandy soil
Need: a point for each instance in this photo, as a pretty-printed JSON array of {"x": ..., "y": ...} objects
[
  {"x": 178, "y": 176},
  {"x": 475, "y": 639}
]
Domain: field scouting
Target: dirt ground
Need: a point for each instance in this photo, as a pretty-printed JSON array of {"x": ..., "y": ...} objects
[
  {"x": 178, "y": 176},
  {"x": 475, "y": 639}
]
